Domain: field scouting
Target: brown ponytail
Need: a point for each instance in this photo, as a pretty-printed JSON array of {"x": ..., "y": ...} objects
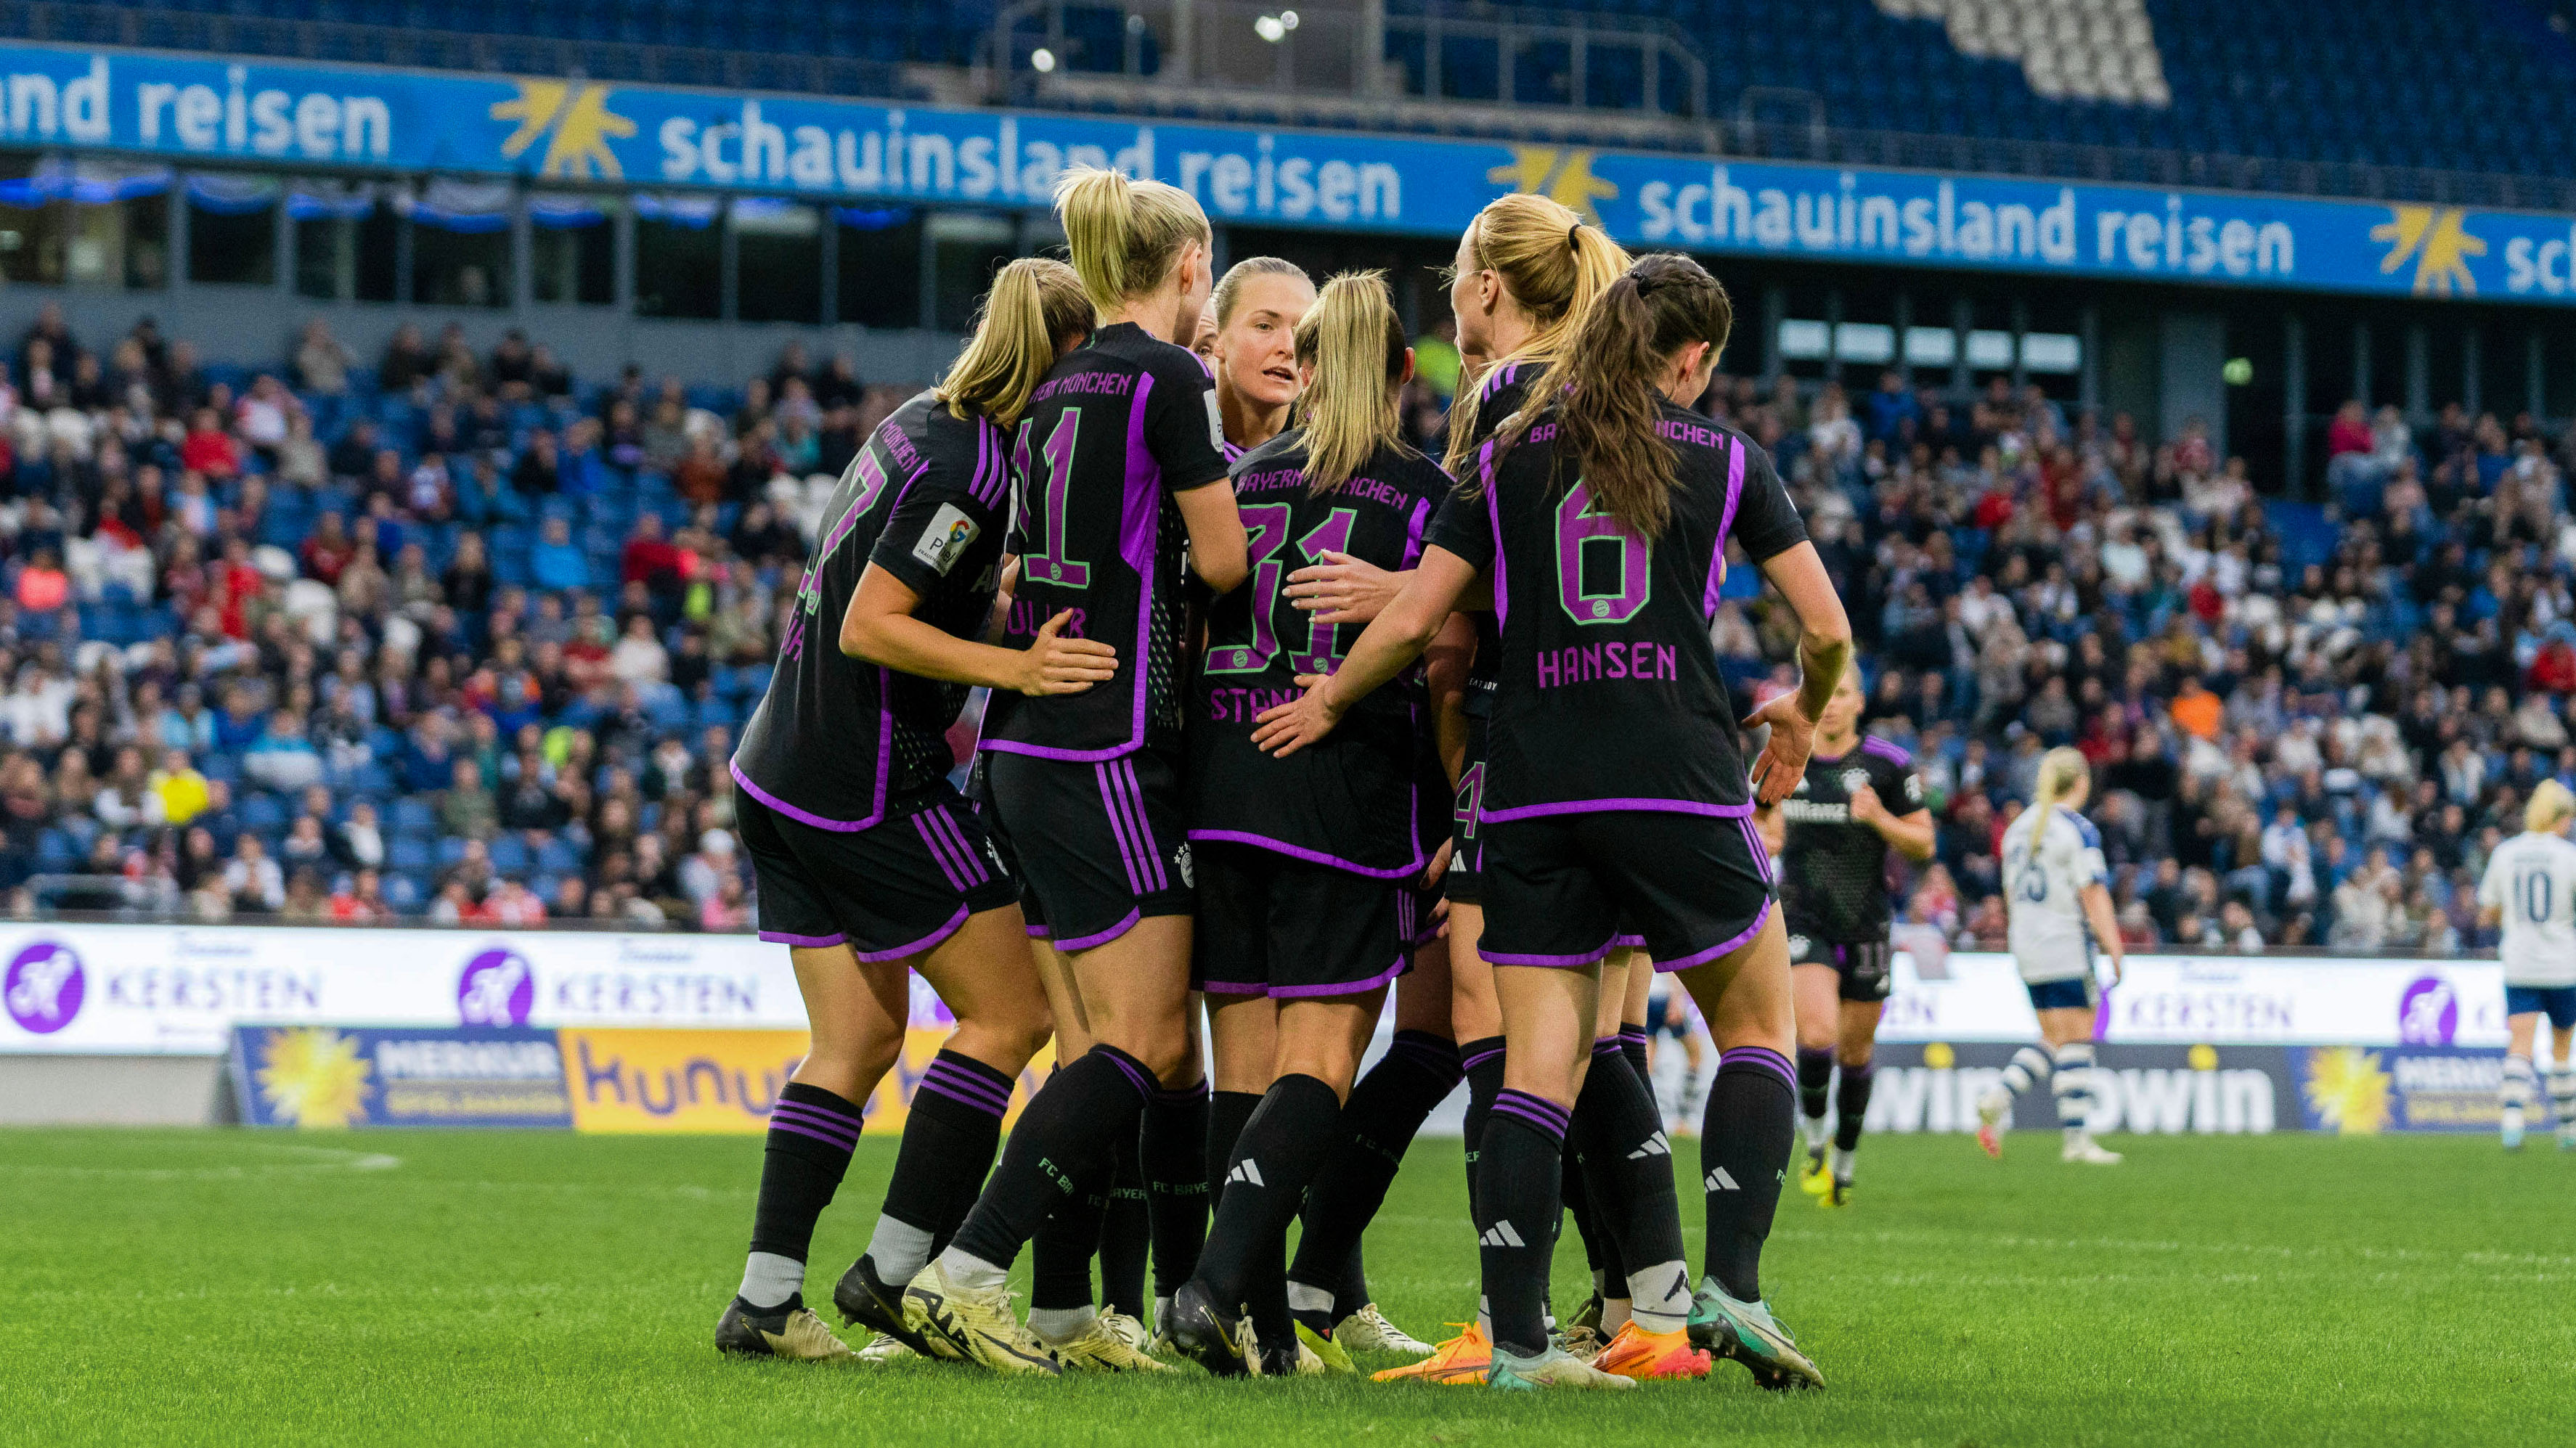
[
  {"x": 1604, "y": 384},
  {"x": 1035, "y": 312},
  {"x": 1353, "y": 342}
]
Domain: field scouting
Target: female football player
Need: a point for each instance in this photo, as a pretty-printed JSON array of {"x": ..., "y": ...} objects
[
  {"x": 2530, "y": 888},
  {"x": 1117, "y": 463},
  {"x": 1305, "y": 866},
  {"x": 870, "y": 865},
  {"x": 1616, "y": 795},
  {"x": 2053, "y": 888},
  {"x": 1859, "y": 799}
]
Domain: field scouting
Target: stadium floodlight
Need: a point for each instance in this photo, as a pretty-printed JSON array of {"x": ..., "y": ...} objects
[
  {"x": 1042, "y": 60},
  {"x": 1287, "y": 19},
  {"x": 1270, "y": 28}
]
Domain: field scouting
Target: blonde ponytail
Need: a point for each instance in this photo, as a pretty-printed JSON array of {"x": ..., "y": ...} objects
[
  {"x": 1556, "y": 265},
  {"x": 1124, "y": 235},
  {"x": 1035, "y": 312},
  {"x": 2549, "y": 807},
  {"x": 1352, "y": 344},
  {"x": 2059, "y": 771}
]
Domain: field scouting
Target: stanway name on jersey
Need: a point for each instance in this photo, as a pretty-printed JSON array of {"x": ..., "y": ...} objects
[
  {"x": 1242, "y": 706},
  {"x": 1642, "y": 661}
]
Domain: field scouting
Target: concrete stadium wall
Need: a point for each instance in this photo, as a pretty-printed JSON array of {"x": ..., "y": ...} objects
[{"x": 113, "y": 1091}]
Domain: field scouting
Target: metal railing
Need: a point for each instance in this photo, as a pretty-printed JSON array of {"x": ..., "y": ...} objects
[
  {"x": 332, "y": 40},
  {"x": 1476, "y": 55}
]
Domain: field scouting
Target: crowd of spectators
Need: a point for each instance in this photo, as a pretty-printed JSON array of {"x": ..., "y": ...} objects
[{"x": 458, "y": 636}]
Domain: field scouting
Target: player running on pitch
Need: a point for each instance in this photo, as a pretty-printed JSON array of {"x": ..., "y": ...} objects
[
  {"x": 1859, "y": 799},
  {"x": 2053, "y": 888},
  {"x": 2530, "y": 886}
]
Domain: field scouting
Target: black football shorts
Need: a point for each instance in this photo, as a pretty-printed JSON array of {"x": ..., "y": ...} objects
[
  {"x": 1273, "y": 925},
  {"x": 1563, "y": 890},
  {"x": 892, "y": 890},
  {"x": 1097, "y": 847},
  {"x": 1862, "y": 968}
]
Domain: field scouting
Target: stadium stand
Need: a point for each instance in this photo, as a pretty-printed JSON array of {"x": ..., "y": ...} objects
[{"x": 406, "y": 636}]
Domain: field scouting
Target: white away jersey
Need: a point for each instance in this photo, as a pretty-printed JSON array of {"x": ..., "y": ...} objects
[
  {"x": 2532, "y": 879},
  {"x": 2047, "y": 863}
]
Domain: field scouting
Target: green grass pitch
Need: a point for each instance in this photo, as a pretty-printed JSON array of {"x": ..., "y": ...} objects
[{"x": 229, "y": 1287}]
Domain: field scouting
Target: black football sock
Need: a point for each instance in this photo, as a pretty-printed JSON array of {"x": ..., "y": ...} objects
[
  {"x": 1274, "y": 1160},
  {"x": 1071, "y": 1125},
  {"x": 1744, "y": 1149},
  {"x": 1632, "y": 1044},
  {"x": 948, "y": 1143},
  {"x": 1174, "y": 1156},
  {"x": 1481, "y": 1060},
  {"x": 1060, "y": 1254},
  {"x": 1227, "y": 1112},
  {"x": 1629, "y": 1165},
  {"x": 1386, "y": 1108},
  {"x": 811, "y": 1135},
  {"x": 1517, "y": 1203},
  {"x": 1851, "y": 1105},
  {"x": 1578, "y": 1202},
  {"x": 1815, "y": 1078},
  {"x": 1125, "y": 1230}
]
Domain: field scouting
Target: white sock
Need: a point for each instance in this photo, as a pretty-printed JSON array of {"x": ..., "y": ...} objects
[
  {"x": 898, "y": 1250},
  {"x": 2029, "y": 1065},
  {"x": 769, "y": 1279},
  {"x": 1816, "y": 1130},
  {"x": 1842, "y": 1164},
  {"x": 1061, "y": 1324},
  {"x": 1485, "y": 1317},
  {"x": 1615, "y": 1312},
  {"x": 970, "y": 1271},
  {"x": 1660, "y": 1297},
  {"x": 1305, "y": 1298},
  {"x": 1163, "y": 1311}
]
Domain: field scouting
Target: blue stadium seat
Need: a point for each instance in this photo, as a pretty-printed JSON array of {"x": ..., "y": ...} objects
[{"x": 407, "y": 853}]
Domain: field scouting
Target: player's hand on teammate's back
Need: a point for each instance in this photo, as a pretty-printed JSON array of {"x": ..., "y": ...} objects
[
  {"x": 1784, "y": 756},
  {"x": 1304, "y": 720},
  {"x": 1346, "y": 589},
  {"x": 1054, "y": 664}
]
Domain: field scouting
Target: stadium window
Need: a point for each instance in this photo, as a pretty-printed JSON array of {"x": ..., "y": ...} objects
[
  {"x": 572, "y": 250},
  {"x": 87, "y": 224},
  {"x": 345, "y": 242},
  {"x": 1990, "y": 351},
  {"x": 1805, "y": 341},
  {"x": 1868, "y": 343},
  {"x": 778, "y": 266},
  {"x": 880, "y": 265},
  {"x": 1930, "y": 346},
  {"x": 2054, "y": 352},
  {"x": 966, "y": 248},
  {"x": 460, "y": 244},
  {"x": 679, "y": 257},
  {"x": 232, "y": 228}
]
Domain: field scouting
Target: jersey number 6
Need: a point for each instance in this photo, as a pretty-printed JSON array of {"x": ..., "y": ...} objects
[{"x": 1583, "y": 535}]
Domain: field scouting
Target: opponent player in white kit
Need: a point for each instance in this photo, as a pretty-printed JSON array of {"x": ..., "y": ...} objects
[
  {"x": 2053, "y": 888},
  {"x": 2530, "y": 885}
]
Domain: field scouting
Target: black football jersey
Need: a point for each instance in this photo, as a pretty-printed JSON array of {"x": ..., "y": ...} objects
[
  {"x": 1833, "y": 868},
  {"x": 1115, "y": 429},
  {"x": 1609, "y": 696},
  {"x": 1499, "y": 394},
  {"x": 837, "y": 738},
  {"x": 1353, "y": 801}
]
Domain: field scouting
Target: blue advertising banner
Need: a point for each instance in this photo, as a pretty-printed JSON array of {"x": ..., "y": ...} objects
[
  {"x": 2357, "y": 1091},
  {"x": 339, "y": 1076},
  {"x": 219, "y": 110}
]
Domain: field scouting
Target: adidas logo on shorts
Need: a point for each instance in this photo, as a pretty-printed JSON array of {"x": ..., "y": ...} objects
[
  {"x": 1501, "y": 1235},
  {"x": 1656, "y": 1145}
]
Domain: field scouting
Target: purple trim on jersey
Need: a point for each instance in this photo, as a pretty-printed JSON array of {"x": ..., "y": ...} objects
[
  {"x": 1495, "y": 379},
  {"x": 808, "y": 817},
  {"x": 1085, "y": 942},
  {"x": 1552, "y": 962},
  {"x": 991, "y": 475},
  {"x": 1136, "y": 529},
  {"x": 1763, "y": 1057},
  {"x": 1232, "y": 453},
  {"x": 1312, "y": 857},
  {"x": 1723, "y": 947},
  {"x": 926, "y": 942},
  {"x": 1300, "y": 992},
  {"x": 1413, "y": 531},
  {"x": 1494, "y": 512},
  {"x": 1725, "y": 525},
  {"x": 808, "y": 942},
  {"x": 1893, "y": 753},
  {"x": 1612, "y": 806}
]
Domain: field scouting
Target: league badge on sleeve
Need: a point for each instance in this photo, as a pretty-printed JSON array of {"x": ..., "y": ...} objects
[{"x": 949, "y": 533}]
